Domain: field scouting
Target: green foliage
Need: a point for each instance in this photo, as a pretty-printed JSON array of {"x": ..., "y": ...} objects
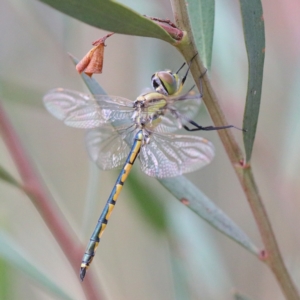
[
  {"x": 202, "y": 17},
  {"x": 254, "y": 33},
  {"x": 183, "y": 190},
  {"x": 111, "y": 16}
]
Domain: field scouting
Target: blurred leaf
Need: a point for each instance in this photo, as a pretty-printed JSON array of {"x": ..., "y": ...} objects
[
  {"x": 253, "y": 24},
  {"x": 8, "y": 251},
  {"x": 4, "y": 175},
  {"x": 110, "y": 16},
  {"x": 146, "y": 201},
  {"x": 238, "y": 296},
  {"x": 6, "y": 287},
  {"x": 193, "y": 198},
  {"x": 202, "y": 18},
  {"x": 189, "y": 194}
]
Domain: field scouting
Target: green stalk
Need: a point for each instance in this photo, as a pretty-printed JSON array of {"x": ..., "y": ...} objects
[{"x": 271, "y": 254}]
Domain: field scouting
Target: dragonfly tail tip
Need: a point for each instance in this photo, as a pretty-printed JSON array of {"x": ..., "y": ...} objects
[{"x": 82, "y": 273}]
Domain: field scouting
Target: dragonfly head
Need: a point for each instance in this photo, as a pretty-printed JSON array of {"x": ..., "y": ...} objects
[{"x": 166, "y": 82}]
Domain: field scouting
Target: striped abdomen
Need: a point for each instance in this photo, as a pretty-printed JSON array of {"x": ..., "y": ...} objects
[{"x": 110, "y": 204}]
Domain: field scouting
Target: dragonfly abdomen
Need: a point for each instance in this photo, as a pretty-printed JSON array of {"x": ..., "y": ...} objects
[{"x": 110, "y": 204}]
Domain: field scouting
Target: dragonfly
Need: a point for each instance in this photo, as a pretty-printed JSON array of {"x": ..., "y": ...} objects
[{"x": 120, "y": 130}]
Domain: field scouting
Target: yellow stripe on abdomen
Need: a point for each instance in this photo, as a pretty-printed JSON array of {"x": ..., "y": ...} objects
[{"x": 118, "y": 190}]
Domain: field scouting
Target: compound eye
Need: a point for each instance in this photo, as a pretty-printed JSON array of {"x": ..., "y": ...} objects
[
  {"x": 168, "y": 81},
  {"x": 166, "y": 77}
]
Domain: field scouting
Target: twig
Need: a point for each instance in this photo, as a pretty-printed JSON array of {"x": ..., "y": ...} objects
[
  {"x": 271, "y": 255},
  {"x": 50, "y": 213}
]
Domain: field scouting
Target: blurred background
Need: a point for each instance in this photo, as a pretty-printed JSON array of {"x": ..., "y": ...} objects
[{"x": 138, "y": 258}]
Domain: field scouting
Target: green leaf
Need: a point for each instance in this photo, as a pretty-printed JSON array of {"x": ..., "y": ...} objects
[
  {"x": 111, "y": 16},
  {"x": 191, "y": 196},
  {"x": 198, "y": 202},
  {"x": 4, "y": 175},
  {"x": 254, "y": 33},
  {"x": 9, "y": 252},
  {"x": 202, "y": 18}
]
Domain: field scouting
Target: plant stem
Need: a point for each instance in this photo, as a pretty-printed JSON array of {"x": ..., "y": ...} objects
[
  {"x": 271, "y": 255},
  {"x": 47, "y": 208}
]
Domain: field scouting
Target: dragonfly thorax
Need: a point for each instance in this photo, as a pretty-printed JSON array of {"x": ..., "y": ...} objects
[
  {"x": 151, "y": 102},
  {"x": 148, "y": 108},
  {"x": 165, "y": 82}
]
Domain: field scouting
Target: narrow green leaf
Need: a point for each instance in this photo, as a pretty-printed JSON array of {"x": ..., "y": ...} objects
[
  {"x": 4, "y": 175},
  {"x": 192, "y": 197},
  {"x": 202, "y": 18},
  {"x": 9, "y": 252},
  {"x": 111, "y": 16},
  {"x": 253, "y": 24}
]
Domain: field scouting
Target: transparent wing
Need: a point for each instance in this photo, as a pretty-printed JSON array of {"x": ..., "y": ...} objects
[
  {"x": 164, "y": 123},
  {"x": 173, "y": 155},
  {"x": 84, "y": 111},
  {"x": 188, "y": 105},
  {"x": 106, "y": 147},
  {"x": 178, "y": 111}
]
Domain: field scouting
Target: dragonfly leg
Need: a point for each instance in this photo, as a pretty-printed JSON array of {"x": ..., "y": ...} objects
[
  {"x": 208, "y": 128},
  {"x": 200, "y": 83},
  {"x": 188, "y": 70},
  {"x": 197, "y": 126},
  {"x": 185, "y": 76}
]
